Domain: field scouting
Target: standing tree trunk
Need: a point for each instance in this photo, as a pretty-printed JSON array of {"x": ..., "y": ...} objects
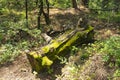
[
  {"x": 74, "y": 4},
  {"x": 41, "y": 11},
  {"x": 26, "y": 6},
  {"x": 40, "y": 6},
  {"x": 47, "y": 13}
]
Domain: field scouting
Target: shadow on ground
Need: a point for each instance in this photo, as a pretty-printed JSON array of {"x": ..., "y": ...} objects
[{"x": 52, "y": 73}]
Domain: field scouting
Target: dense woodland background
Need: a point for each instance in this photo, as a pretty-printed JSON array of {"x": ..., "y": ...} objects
[{"x": 22, "y": 23}]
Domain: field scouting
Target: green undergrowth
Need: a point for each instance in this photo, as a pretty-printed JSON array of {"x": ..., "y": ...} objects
[
  {"x": 60, "y": 3},
  {"x": 108, "y": 16},
  {"x": 109, "y": 49},
  {"x": 10, "y": 50},
  {"x": 15, "y": 38},
  {"x": 11, "y": 14}
]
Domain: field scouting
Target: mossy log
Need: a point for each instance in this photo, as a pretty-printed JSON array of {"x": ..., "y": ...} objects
[{"x": 60, "y": 46}]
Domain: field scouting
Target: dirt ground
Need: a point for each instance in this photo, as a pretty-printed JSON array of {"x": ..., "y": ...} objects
[{"x": 17, "y": 70}]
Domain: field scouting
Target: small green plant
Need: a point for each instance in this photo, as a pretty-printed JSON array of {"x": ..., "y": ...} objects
[
  {"x": 14, "y": 41},
  {"x": 63, "y": 60},
  {"x": 60, "y": 3},
  {"x": 8, "y": 53},
  {"x": 117, "y": 73},
  {"x": 74, "y": 49},
  {"x": 111, "y": 48}
]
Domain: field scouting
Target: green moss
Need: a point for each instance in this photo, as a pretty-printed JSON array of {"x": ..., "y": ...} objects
[
  {"x": 35, "y": 55},
  {"x": 36, "y": 65},
  {"x": 47, "y": 48},
  {"x": 70, "y": 42},
  {"x": 46, "y": 61}
]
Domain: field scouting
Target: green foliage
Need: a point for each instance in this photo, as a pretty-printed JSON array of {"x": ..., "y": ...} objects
[
  {"x": 8, "y": 52},
  {"x": 105, "y": 10},
  {"x": 9, "y": 49},
  {"x": 95, "y": 4},
  {"x": 61, "y": 3},
  {"x": 101, "y": 4},
  {"x": 74, "y": 49},
  {"x": 63, "y": 60},
  {"x": 117, "y": 73},
  {"x": 8, "y": 29},
  {"x": 84, "y": 56},
  {"x": 17, "y": 4},
  {"x": 108, "y": 16},
  {"x": 12, "y": 15},
  {"x": 105, "y": 48},
  {"x": 112, "y": 50}
]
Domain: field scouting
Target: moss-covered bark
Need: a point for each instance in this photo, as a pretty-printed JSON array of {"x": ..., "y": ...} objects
[{"x": 58, "y": 47}]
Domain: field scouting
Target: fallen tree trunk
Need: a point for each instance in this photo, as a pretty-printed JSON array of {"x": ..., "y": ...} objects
[{"x": 45, "y": 57}]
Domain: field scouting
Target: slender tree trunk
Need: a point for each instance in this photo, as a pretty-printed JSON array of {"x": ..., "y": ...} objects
[
  {"x": 39, "y": 14},
  {"x": 26, "y": 6},
  {"x": 74, "y": 4},
  {"x": 41, "y": 11},
  {"x": 40, "y": 6},
  {"x": 47, "y": 14}
]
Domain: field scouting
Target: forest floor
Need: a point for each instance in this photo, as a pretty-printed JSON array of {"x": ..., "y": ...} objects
[{"x": 20, "y": 68}]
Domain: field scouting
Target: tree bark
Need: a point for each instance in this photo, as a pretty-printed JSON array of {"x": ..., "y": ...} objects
[
  {"x": 74, "y": 4},
  {"x": 47, "y": 14},
  {"x": 26, "y": 7},
  {"x": 41, "y": 11},
  {"x": 48, "y": 54},
  {"x": 40, "y": 6}
]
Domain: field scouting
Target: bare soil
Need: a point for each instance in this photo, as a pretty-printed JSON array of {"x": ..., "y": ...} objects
[{"x": 17, "y": 70}]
